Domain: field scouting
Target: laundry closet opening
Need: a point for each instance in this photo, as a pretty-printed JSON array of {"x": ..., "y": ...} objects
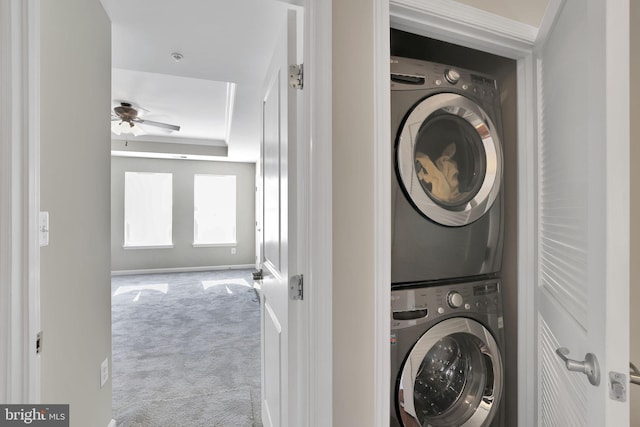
[{"x": 464, "y": 188}]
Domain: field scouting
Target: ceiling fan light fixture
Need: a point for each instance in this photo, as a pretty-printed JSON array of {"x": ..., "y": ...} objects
[
  {"x": 137, "y": 130},
  {"x": 116, "y": 127},
  {"x": 125, "y": 127}
]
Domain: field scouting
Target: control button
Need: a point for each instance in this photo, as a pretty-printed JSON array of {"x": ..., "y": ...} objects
[
  {"x": 465, "y": 87},
  {"x": 467, "y": 306},
  {"x": 438, "y": 82},
  {"x": 452, "y": 76},
  {"x": 454, "y": 299},
  {"x": 440, "y": 310}
]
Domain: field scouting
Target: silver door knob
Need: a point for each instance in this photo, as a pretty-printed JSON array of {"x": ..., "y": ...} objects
[
  {"x": 589, "y": 366},
  {"x": 634, "y": 374}
]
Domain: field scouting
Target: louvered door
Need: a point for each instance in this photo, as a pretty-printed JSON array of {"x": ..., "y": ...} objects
[{"x": 582, "y": 217}]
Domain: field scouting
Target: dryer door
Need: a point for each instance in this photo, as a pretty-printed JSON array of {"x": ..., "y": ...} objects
[
  {"x": 451, "y": 377},
  {"x": 449, "y": 159}
]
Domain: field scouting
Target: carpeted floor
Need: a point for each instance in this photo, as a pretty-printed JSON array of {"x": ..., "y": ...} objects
[{"x": 186, "y": 350}]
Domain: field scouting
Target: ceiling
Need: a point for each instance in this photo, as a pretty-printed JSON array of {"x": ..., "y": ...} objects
[{"x": 214, "y": 91}]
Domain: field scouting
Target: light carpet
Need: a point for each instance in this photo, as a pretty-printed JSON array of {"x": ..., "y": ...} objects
[{"x": 186, "y": 350}]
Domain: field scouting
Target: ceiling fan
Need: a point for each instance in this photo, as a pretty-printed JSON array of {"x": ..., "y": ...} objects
[{"x": 125, "y": 118}]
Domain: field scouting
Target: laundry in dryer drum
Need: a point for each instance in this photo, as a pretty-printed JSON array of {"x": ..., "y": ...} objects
[{"x": 442, "y": 175}]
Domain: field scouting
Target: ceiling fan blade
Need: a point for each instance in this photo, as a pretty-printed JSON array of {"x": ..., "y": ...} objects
[{"x": 158, "y": 124}]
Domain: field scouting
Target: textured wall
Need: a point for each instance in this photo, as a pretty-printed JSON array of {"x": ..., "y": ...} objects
[
  {"x": 183, "y": 254},
  {"x": 75, "y": 170}
]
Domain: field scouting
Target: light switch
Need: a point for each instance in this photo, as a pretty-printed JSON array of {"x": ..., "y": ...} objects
[
  {"x": 104, "y": 372},
  {"x": 44, "y": 228}
]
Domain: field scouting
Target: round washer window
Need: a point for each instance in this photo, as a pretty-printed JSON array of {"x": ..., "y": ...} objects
[
  {"x": 449, "y": 159},
  {"x": 452, "y": 376},
  {"x": 452, "y": 371}
]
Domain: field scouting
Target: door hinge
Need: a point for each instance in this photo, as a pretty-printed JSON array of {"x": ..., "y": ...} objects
[
  {"x": 296, "y": 287},
  {"x": 296, "y": 76},
  {"x": 39, "y": 342}
]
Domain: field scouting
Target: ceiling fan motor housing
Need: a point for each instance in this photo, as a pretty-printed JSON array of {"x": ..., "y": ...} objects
[{"x": 126, "y": 112}]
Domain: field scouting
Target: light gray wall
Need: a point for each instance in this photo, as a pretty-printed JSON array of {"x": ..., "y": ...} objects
[
  {"x": 526, "y": 11},
  {"x": 634, "y": 282},
  {"x": 353, "y": 221},
  {"x": 183, "y": 254},
  {"x": 75, "y": 170}
]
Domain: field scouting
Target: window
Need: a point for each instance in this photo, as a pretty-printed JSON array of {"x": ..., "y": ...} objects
[
  {"x": 214, "y": 210},
  {"x": 148, "y": 206}
]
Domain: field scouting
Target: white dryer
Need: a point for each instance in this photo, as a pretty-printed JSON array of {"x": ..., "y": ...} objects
[{"x": 447, "y": 197}]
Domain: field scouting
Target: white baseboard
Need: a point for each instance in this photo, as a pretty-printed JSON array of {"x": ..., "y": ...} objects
[
  {"x": 112, "y": 423},
  {"x": 182, "y": 270}
]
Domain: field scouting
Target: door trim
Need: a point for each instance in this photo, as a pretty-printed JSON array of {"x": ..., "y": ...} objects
[
  {"x": 464, "y": 25},
  {"x": 382, "y": 210},
  {"x": 20, "y": 199},
  {"x": 317, "y": 123},
  {"x": 470, "y": 27}
]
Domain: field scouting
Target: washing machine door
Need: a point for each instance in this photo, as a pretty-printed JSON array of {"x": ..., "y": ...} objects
[
  {"x": 449, "y": 159},
  {"x": 452, "y": 377}
]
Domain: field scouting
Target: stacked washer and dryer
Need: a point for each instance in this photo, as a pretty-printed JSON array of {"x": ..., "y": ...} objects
[{"x": 447, "y": 237}]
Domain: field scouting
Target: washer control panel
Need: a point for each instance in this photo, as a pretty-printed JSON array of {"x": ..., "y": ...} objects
[{"x": 421, "y": 304}]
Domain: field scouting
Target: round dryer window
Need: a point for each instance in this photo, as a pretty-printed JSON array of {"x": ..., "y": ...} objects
[
  {"x": 449, "y": 159},
  {"x": 452, "y": 377}
]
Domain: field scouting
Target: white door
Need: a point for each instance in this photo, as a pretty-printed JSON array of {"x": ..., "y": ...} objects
[
  {"x": 583, "y": 212},
  {"x": 259, "y": 213},
  {"x": 279, "y": 169}
]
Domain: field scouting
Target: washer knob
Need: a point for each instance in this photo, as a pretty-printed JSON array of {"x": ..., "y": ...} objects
[
  {"x": 452, "y": 76},
  {"x": 454, "y": 299}
]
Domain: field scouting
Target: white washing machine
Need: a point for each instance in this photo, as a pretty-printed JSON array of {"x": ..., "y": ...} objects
[
  {"x": 447, "y": 197},
  {"x": 446, "y": 356}
]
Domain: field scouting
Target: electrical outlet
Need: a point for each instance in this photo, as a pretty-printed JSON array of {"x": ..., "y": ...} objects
[
  {"x": 104, "y": 372},
  {"x": 233, "y": 251}
]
